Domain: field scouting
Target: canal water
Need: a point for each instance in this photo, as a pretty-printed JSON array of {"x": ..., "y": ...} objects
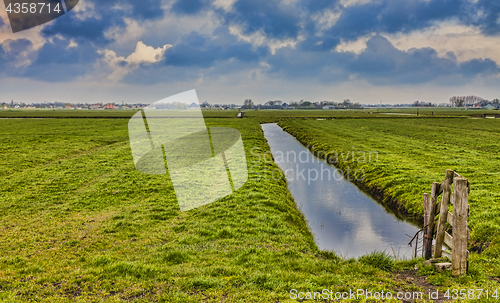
[{"x": 342, "y": 218}]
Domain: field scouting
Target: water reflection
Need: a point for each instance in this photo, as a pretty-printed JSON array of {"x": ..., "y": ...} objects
[{"x": 342, "y": 218}]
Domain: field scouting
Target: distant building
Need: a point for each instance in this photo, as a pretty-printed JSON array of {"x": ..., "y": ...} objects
[{"x": 110, "y": 106}]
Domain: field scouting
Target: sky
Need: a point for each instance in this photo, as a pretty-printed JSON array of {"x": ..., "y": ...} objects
[{"x": 368, "y": 51}]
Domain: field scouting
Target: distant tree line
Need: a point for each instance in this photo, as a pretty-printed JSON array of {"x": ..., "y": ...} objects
[
  {"x": 302, "y": 104},
  {"x": 422, "y": 104},
  {"x": 461, "y": 101}
]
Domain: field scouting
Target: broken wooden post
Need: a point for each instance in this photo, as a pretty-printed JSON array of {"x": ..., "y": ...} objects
[
  {"x": 460, "y": 230},
  {"x": 426, "y": 222},
  {"x": 443, "y": 213},
  {"x": 430, "y": 223}
]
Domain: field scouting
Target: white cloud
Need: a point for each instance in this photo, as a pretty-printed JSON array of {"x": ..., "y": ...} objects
[
  {"x": 259, "y": 38},
  {"x": 127, "y": 35},
  {"x": 226, "y": 5},
  {"x": 85, "y": 10},
  {"x": 147, "y": 54},
  {"x": 466, "y": 42},
  {"x": 143, "y": 54},
  {"x": 326, "y": 19},
  {"x": 347, "y": 3},
  {"x": 72, "y": 43},
  {"x": 357, "y": 46}
]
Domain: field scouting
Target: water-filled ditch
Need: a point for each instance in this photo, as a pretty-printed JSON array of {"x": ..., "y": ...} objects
[{"x": 342, "y": 218}]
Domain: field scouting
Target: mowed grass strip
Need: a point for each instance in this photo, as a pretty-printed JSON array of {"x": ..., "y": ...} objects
[
  {"x": 79, "y": 224},
  {"x": 411, "y": 154},
  {"x": 263, "y": 115},
  {"x": 395, "y": 113},
  {"x": 94, "y": 114}
]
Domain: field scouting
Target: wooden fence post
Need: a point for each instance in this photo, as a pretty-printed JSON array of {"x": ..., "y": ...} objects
[
  {"x": 430, "y": 223},
  {"x": 426, "y": 222},
  {"x": 460, "y": 231},
  {"x": 443, "y": 213}
]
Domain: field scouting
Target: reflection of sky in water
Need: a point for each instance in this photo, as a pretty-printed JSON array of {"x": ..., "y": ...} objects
[{"x": 341, "y": 217}]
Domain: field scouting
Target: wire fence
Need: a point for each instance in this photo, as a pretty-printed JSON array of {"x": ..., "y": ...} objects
[{"x": 417, "y": 243}]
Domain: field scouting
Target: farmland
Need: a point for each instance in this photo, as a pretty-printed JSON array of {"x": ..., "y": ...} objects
[{"x": 79, "y": 224}]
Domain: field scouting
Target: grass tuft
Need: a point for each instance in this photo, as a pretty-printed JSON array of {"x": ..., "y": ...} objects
[
  {"x": 380, "y": 260},
  {"x": 176, "y": 257}
]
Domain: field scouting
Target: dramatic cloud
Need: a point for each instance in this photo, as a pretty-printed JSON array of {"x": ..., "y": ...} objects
[
  {"x": 382, "y": 42},
  {"x": 59, "y": 61},
  {"x": 486, "y": 15},
  {"x": 273, "y": 18},
  {"x": 143, "y": 54},
  {"x": 15, "y": 55},
  {"x": 202, "y": 51},
  {"x": 382, "y": 63}
]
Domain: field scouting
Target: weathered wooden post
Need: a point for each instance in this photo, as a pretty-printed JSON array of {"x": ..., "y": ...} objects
[
  {"x": 430, "y": 223},
  {"x": 426, "y": 222},
  {"x": 460, "y": 231},
  {"x": 443, "y": 213}
]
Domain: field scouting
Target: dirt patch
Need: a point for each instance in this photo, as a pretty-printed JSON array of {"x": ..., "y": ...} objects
[
  {"x": 411, "y": 279},
  {"x": 479, "y": 247}
]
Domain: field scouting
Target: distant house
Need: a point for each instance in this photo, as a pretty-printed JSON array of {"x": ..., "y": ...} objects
[
  {"x": 110, "y": 106},
  {"x": 96, "y": 106},
  {"x": 328, "y": 107},
  {"x": 489, "y": 106}
]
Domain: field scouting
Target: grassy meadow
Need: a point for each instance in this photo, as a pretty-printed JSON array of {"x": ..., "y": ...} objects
[{"x": 79, "y": 224}]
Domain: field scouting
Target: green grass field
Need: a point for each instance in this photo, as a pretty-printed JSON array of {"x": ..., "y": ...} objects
[{"x": 79, "y": 224}]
